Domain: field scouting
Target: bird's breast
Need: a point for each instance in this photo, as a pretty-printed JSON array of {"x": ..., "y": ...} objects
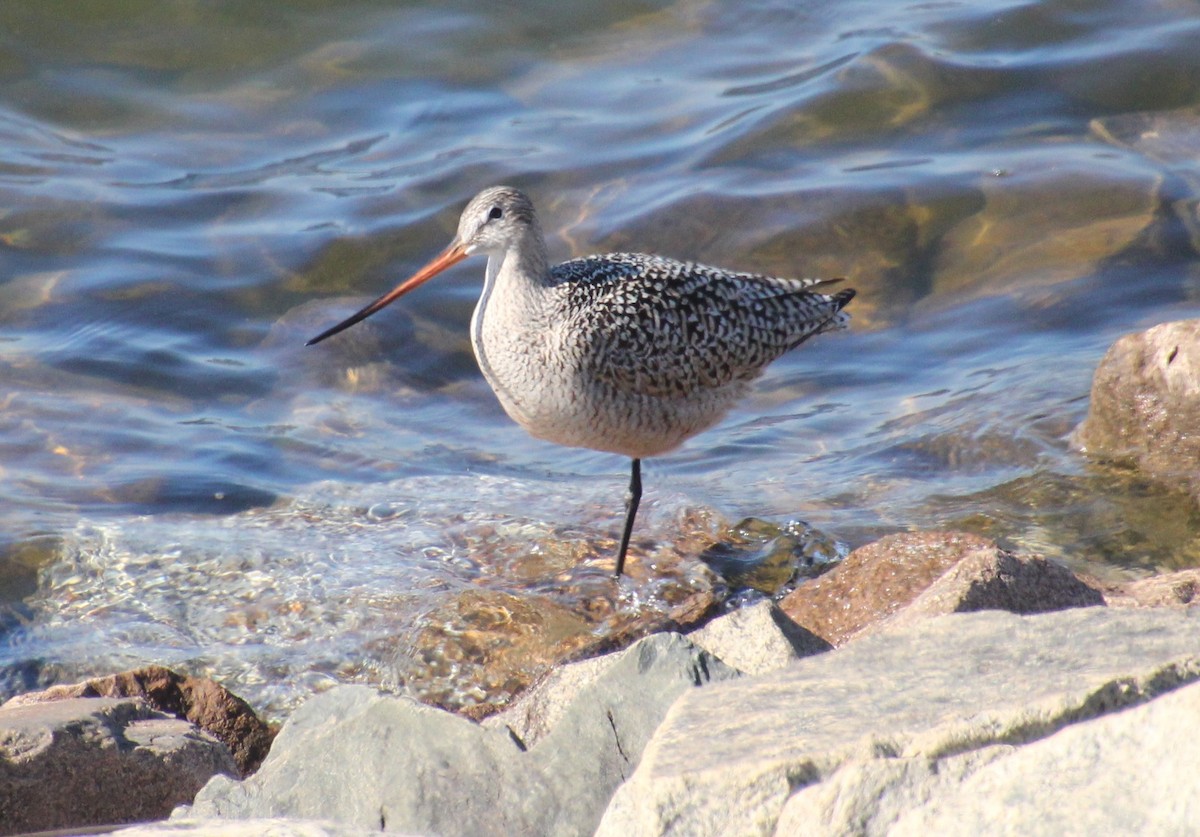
[{"x": 546, "y": 379}]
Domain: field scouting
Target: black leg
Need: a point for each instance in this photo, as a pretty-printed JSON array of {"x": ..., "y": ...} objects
[{"x": 631, "y": 507}]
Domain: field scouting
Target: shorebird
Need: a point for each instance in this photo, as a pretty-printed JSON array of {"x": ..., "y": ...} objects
[{"x": 625, "y": 353}]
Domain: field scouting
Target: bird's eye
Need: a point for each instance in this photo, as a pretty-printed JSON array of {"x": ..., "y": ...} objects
[{"x": 496, "y": 214}]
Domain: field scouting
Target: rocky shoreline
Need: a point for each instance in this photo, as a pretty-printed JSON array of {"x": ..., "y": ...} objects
[{"x": 930, "y": 683}]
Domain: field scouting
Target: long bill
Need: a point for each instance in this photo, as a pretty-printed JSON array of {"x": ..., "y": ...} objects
[{"x": 452, "y": 255}]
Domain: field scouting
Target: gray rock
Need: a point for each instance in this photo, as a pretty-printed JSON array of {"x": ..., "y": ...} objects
[
  {"x": 1145, "y": 404},
  {"x": 1132, "y": 772},
  {"x": 371, "y": 761},
  {"x": 752, "y": 640},
  {"x": 264, "y": 827},
  {"x": 866, "y": 797},
  {"x": 861, "y": 736},
  {"x": 89, "y": 761},
  {"x": 531, "y": 717},
  {"x": 757, "y": 639}
]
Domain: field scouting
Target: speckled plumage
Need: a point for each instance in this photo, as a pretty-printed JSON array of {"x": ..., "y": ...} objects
[{"x": 626, "y": 353}]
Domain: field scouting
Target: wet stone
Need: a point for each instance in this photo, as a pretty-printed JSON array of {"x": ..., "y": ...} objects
[
  {"x": 758, "y": 557},
  {"x": 478, "y": 650},
  {"x": 93, "y": 761},
  {"x": 1047, "y": 219},
  {"x": 1169, "y": 137},
  {"x": 1145, "y": 405},
  {"x": 364, "y": 359}
]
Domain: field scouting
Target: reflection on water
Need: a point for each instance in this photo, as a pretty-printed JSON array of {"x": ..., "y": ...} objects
[{"x": 190, "y": 190}]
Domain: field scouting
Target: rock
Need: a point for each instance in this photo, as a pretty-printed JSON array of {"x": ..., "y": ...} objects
[
  {"x": 371, "y": 761},
  {"x": 1145, "y": 405},
  {"x": 90, "y": 761},
  {"x": 1169, "y": 137},
  {"x": 857, "y": 739},
  {"x": 262, "y": 827},
  {"x": 909, "y": 576},
  {"x": 1049, "y": 219},
  {"x": 539, "y": 710},
  {"x": 1132, "y": 772},
  {"x": 478, "y": 649},
  {"x": 204, "y": 702},
  {"x": 1177, "y": 589},
  {"x": 757, "y": 639},
  {"x": 751, "y": 640}
]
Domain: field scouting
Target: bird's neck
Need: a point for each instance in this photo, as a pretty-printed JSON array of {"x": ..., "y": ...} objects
[
  {"x": 525, "y": 263},
  {"x": 517, "y": 276},
  {"x": 510, "y": 319}
]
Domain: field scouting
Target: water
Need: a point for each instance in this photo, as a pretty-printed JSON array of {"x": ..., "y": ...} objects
[{"x": 191, "y": 189}]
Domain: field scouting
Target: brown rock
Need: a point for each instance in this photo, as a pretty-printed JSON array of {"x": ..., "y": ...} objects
[
  {"x": 910, "y": 576},
  {"x": 1177, "y": 589},
  {"x": 93, "y": 761},
  {"x": 1145, "y": 404},
  {"x": 474, "y": 653},
  {"x": 204, "y": 703}
]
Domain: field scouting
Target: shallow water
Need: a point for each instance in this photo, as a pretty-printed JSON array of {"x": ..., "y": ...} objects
[{"x": 191, "y": 190}]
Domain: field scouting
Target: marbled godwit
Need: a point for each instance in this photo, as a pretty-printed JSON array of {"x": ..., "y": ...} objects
[{"x": 625, "y": 353}]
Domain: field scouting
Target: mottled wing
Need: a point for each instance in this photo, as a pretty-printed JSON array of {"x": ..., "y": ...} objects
[{"x": 654, "y": 326}]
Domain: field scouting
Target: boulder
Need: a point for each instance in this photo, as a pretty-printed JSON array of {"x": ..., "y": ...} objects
[
  {"x": 910, "y": 576},
  {"x": 856, "y": 740},
  {"x": 92, "y": 761},
  {"x": 371, "y": 761},
  {"x": 1170, "y": 138},
  {"x": 757, "y": 639},
  {"x": 1130, "y": 772},
  {"x": 1046, "y": 220},
  {"x": 204, "y": 702},
  {"x": 1176, "y": 589},
  {"x": 264, "y": 827},
  {"x": 1145, "y": 405}
]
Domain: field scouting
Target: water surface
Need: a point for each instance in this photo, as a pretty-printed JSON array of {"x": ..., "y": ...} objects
[{"x": 192, "y": 189}]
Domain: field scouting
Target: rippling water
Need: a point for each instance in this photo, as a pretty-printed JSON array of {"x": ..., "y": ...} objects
[{"x": 192, "y": 189}]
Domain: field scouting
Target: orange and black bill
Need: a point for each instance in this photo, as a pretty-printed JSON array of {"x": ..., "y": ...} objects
[{"x": 452, "y": 255}]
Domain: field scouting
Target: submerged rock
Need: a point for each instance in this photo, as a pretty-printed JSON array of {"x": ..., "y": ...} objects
[
  {"x": 478, "y": 650},
  {"x": 1171, "y": 138},
  {"x": 1050, "y": 219}
]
